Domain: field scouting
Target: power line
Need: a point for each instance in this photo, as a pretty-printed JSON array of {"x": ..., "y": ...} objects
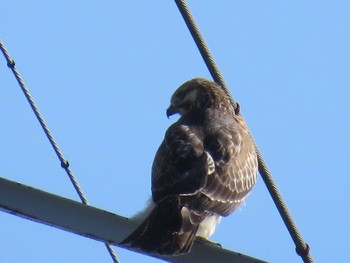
[
  {"x": 302, "y": 248},
  {"x": 64, "y": 162}
]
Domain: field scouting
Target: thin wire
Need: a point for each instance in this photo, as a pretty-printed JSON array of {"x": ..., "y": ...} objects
[
  {"x": 302, "y": 248},
  {"x": 64, "y": 162},
  {"x": 204, "y": 49}
]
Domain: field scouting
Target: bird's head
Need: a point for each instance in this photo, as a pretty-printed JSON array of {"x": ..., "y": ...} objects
[{"x": 196, "y": 95}]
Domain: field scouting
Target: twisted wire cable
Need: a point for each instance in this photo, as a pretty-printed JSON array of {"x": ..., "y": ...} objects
[
  {"x": 204, "y": 49},
  {"x": 302, "y": 248},
  {"x": 64, "y": 162}
]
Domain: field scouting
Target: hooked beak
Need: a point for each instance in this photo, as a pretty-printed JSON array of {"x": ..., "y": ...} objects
[{"x": 171, "y": 111}]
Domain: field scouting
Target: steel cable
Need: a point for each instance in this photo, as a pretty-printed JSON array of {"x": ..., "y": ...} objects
[
  {"x": 302, "y": 248},
  {"x": 64, "y": 162}
]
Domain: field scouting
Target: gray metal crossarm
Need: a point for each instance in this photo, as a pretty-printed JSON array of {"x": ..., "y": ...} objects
[{"x": 88, "y": 221}]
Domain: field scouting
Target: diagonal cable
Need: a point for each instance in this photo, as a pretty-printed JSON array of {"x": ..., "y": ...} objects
[
  {"x": 302, "y": 248},
  {"x": 64, "y": 162}
]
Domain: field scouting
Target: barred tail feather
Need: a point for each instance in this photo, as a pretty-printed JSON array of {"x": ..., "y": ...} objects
[{"x": 161, "y": 232}]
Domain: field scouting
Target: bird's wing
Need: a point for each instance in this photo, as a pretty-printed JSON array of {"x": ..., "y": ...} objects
[
  {"x": 233, "y": 152},
  {"x": 181, "y": 165}
]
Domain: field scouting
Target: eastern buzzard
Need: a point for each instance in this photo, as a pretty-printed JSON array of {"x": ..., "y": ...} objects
[{"x": 203, "y": 170}]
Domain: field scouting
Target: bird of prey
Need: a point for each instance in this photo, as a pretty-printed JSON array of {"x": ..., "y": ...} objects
[{"x": 203, "y": 170}]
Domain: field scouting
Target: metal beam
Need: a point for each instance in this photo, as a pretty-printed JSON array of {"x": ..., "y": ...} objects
[{"x": 91, "y": 222}]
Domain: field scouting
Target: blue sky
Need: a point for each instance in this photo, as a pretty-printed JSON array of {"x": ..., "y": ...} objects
[{"x": 102, "y": 75}]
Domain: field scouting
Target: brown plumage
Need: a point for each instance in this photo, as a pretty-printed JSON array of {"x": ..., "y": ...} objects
[{"x": 203, "y": 170}]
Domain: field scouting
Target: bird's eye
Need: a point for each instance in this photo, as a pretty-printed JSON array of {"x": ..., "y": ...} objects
[{"x": 181, "y": 94}]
